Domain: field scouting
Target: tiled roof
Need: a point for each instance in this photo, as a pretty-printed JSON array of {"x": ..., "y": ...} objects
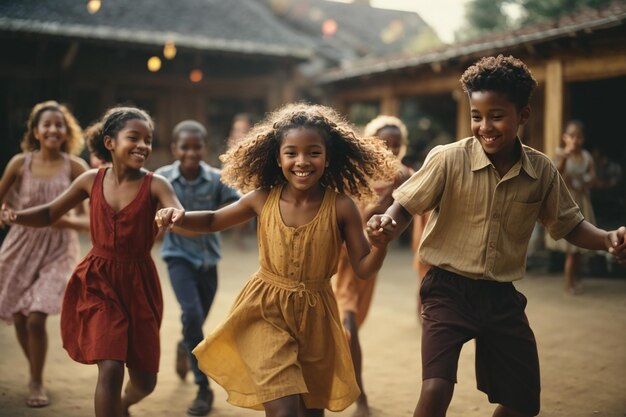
[
  {"x": 361, "y": 30},
  {"x": 239, "y": 26},
  {"x": 586, "y": 21}
]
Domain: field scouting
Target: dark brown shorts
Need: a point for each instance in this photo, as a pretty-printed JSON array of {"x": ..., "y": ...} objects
[{"x": 457, "y": 309}]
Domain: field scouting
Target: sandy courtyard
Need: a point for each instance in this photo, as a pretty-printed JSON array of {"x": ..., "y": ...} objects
[{"x": 582, "y": 350}]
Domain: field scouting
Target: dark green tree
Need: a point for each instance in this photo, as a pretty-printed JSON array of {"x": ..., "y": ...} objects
[{"x": 485, "y": 16}]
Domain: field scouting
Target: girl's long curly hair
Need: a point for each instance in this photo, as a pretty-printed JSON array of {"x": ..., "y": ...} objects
[
  {"x": 353, "y": 161},
  {"x": 74, "y": 141}
]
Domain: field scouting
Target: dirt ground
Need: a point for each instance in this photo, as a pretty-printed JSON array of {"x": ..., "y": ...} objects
[{"x": 582, "y": 350}]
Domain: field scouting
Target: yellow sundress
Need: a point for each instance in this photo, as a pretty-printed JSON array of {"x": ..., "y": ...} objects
[{"x": 283, "y": 335}]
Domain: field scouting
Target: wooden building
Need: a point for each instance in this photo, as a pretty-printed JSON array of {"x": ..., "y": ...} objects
[
  {"x": 230, "y": 57},
  {"x": 579, "y": 61}
]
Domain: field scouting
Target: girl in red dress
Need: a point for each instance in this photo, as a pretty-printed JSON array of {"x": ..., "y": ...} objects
[{"x": 113, "y": 300}]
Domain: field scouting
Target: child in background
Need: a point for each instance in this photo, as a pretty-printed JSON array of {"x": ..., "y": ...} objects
[
  {"x": 486, "y": 192},
  {"x": 35, "y": 264},
  {"x": 576, "y": 167},
  {"x": 354, "y": 295},
  {"x": 282, "y": 348},
  {"x": 112, "y": 306},
  {"x": 242, "y": 123},
  {"x": 192, "y": 258}
]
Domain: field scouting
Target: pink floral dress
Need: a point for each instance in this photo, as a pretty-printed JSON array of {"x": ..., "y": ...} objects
[{"x": 36, "y": 263}]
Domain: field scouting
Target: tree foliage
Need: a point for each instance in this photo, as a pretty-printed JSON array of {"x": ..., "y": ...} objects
[{"x": 485, "y": 16}]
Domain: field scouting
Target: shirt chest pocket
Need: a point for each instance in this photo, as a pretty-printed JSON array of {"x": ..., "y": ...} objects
[
  {"x": 521, "y": 219},
  {"x": 204, "y": 202}
]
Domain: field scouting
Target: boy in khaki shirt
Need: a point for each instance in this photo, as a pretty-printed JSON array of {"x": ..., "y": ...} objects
[{"x": 486, "y": 192}]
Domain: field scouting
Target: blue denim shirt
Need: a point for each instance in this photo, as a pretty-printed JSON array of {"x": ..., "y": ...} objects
[{"x": 206, "y": 192}]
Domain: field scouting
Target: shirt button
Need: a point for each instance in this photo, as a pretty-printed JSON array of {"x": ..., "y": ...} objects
[
  {"x": 296, "y": 234},
  {"x": 492, "y": 245},
  {"x": 496, "y": 215},
  {"x": 296, "y": 263}
]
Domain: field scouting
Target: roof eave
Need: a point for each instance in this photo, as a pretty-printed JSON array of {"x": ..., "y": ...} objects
[
  {"x": 456, "y": 51},
  {"x": 106, "y": 33}
]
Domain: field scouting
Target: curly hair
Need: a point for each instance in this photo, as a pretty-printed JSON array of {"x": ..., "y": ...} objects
[
  {"x": 503, "y": 74},
  {"x": 381, "y": 122},
  {"x": 111, "y": 123},
  {"x": 354, "y": 161},
  {"x": 74, "y": 141}
]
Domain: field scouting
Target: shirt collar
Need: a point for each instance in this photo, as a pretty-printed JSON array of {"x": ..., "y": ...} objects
[
  {"x": 479, "y": 159},
  {"x": 204, "y": 171}
]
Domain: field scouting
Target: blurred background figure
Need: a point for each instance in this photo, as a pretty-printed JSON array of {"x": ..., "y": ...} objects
[
  {"x": 577, "y": 168},
  {"x": 242, "y": 123}
]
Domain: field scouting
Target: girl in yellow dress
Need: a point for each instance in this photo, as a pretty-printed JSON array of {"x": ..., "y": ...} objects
[{"x": 282, "y": 347}]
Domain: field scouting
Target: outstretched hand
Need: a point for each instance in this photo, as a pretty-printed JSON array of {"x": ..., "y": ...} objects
[
  {"x": 380, "y": 229},
  {"x": 617, "y": 244},
  {"x": 169, "y": 217},
  {"x": 7, "y": 216}
]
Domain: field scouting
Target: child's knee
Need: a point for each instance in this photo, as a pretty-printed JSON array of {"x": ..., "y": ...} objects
[{"x": 145, "y": 384}]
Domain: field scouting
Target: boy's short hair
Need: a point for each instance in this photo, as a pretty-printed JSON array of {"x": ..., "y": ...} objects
[
  {"x": 188, "y": 126},
  {"x": 503, "y": 74}
]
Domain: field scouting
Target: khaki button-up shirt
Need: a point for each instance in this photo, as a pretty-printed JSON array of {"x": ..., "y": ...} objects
[{"x": 481, "y": 223}]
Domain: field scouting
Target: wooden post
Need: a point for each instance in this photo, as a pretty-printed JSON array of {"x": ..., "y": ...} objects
[
  {"x": 463, "y": 128},
  {"x": 389, "y": 104},
  {"x": 553, "y": 110}
]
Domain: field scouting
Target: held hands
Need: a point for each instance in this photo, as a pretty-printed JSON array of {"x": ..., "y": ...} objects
[
  {"x": 380, "y": 230},
  {"x": 167, "y": 218},
  {"x": 7, "y": 216},
  {"x": 616, "y": 244}
]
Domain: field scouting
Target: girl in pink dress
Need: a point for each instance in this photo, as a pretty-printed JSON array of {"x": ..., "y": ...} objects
[{"x": 35, "y": 264}]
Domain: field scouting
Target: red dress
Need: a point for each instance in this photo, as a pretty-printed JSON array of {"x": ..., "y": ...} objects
[{"x": 113, "y": 305}]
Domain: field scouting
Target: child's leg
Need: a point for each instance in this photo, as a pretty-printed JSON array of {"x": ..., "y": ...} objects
[
  {"x": 37, "y": 347},
  {"x": 108, "y": 401},
  {"x": 502, "y": 411},
  {"x": 290, "y": 406},
  {"x": 352, "y": 328},
  {"x": 435, "y": 398},
  {"x": 140, "y": 385},
  {"x": 19, "y": 321},
  {"x": 572, "y": 264}
]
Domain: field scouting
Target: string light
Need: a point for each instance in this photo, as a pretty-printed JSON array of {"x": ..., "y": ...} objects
[
  {"x": 93, "y": 6},
  {"x": 154, "y": 64},
  {"x": 329, "y": 27},
  {"x": 196, "y": 76},
  {"x": 169, "y": 50}
]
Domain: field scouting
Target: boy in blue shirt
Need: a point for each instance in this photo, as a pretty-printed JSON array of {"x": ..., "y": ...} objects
[{"x": 192, "y": 259}]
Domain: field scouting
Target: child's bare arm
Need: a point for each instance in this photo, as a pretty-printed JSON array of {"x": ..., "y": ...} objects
[
  {"x": 47, "y": 214},
  {"x": 10, "y": 175},
  {"x": 390, "y": 225},
  {"x": 586, "y": 235},
  {"x": 213, "y": 221},
  {"x": 365, "y": 259}
]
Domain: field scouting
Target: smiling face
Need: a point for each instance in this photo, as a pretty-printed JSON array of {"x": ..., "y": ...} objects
[
  {"x": 302, "y": 157},
  {"x": 392, "y": 137},
  {"x": 132, "y": 145},
  {"x": 495, "y": 120},
  {"x": 51, "y": 130},
  {"x": 189, "y": 148}
]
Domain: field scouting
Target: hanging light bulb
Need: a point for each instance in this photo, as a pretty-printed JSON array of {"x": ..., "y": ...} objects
[
  {"x": 169, "y": 50},
  {"x": 329, "y": 27},
  {"x": 154, "y": 64},
  {"x": 93, "y": 6},
  {"x": 196, "y": 76}
]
